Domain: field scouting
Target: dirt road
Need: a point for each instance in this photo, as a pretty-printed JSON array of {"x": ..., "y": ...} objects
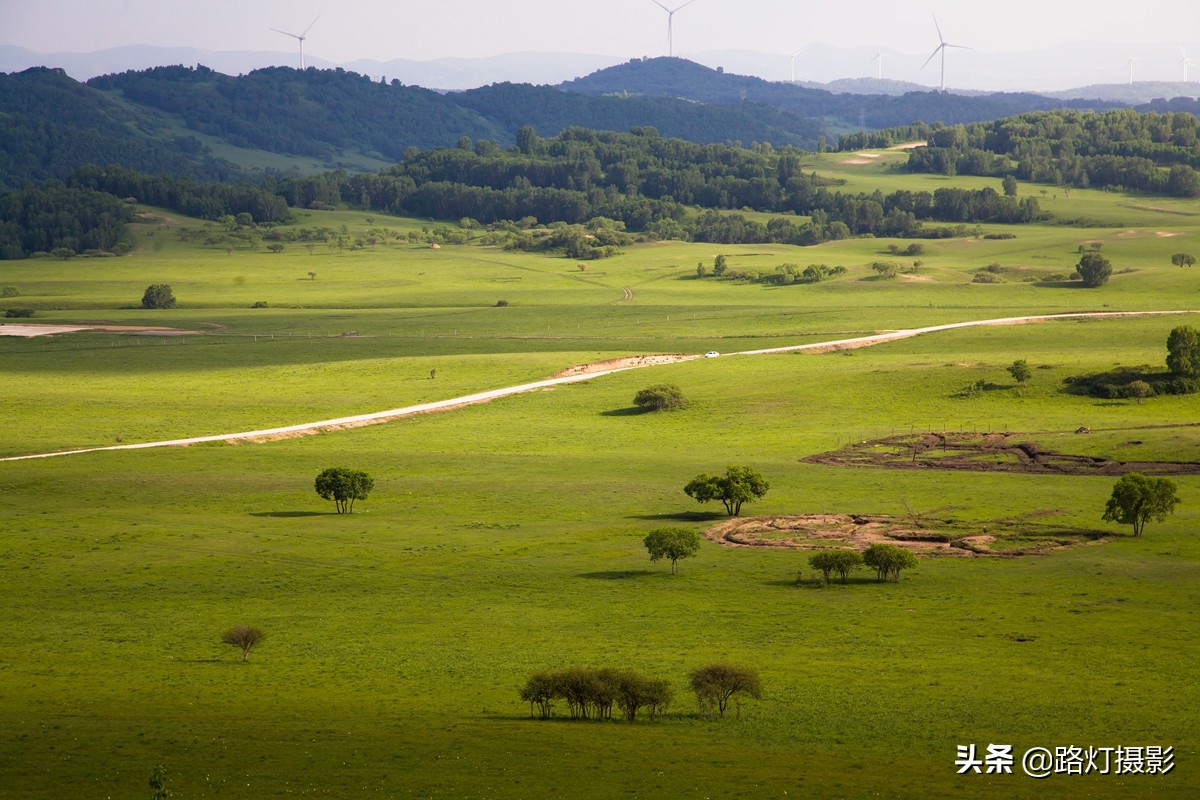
[{"x": 622, "y": 365}]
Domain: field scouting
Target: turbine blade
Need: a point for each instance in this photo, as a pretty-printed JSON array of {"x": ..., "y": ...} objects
[
  {"x": 285, "y": 33},
  {"x": 660, "y": 5},
  {"x": 309, "y": 28},
  {"x": 931, "y": 55},
  {"x": 685, "y": 5},
  {"x": 941, "y": 38}
]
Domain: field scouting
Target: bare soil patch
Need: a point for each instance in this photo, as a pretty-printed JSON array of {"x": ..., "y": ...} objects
[
  {"x": 31, "y": 330},
  {"x": 624, "y": 363},
  {"x": 1003, "y": 538},
  {"x": 986, "y": 452}
]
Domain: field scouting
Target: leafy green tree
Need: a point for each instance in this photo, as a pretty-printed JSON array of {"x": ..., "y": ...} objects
[
  {"x": 886, "y": 269},
  {"x": 888, "y": 560},
  {"x": 343, "y": 487},
  {"x": 1140, "y": 390},
  {"x": 1183, "y": 352},
  {"x": 158, "y": 295},
  {"x": 839, "y": 561},
  {"x": 1019, "y": 370},
  {"x": 540, "y": 692},
  {"x": 737, "y": 486},
  {"x": 244, "y": 637},
  {"x": 1010, "y": 186},
  {"x": 1094, "y": 269},
  {"x": 1137, "y": 499},
  {"x": 720, "y": 264},
  {"x": 672, "y": 543},
  {"x": 715, "y": 684},
  {"x": 1183, "y": 259},
  {"x": 664, "y": 397},
  {"x": 158, "y": 782}
]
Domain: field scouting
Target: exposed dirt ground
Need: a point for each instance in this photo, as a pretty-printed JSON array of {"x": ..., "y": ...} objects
[
  {"x": 622, "y": 363},
  {"x": 986, "y": 452},
  {"x": 35, "y": 329},
  {"x": 1005, "y": 538}
]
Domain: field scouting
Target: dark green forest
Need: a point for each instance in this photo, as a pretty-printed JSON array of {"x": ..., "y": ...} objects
[{"x": 1155, "y": 153}]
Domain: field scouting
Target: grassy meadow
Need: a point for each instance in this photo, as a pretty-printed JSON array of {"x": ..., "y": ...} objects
[{"x": 505, "y": 538}]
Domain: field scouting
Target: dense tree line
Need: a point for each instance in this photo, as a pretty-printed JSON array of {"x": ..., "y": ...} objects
[
  {"x": 645, "y": 180},
  {"x": 592, "y": 693},
  {"x": 62, "y": 220},
  {"x": 1147, "y": 152},
  {"x": 204, "y": 200}
]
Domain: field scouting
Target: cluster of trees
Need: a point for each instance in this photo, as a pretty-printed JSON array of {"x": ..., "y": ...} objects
[
  {"x": 662, "y": 397},
  {"x": 62, "y": 220},
  {"x": 739, "y": 485},
  {"x": 888, "y": 561},
  {"x": 1150, "y": 152},
  {"x": 206, "y": 200},
  {"x": 344, "y": 486},
  {"x": 592, "y": 693},
  {"x": 600, "y": 238},
  {"x": 1182, "y": 376}
]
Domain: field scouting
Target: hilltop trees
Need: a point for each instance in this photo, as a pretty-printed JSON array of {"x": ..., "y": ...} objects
[
  {"x": 1137, "y": 499},
  {"x": 343, "y": 487},
  {"x": 672, "y": 543},
  {"x": 737, "y": 486}
]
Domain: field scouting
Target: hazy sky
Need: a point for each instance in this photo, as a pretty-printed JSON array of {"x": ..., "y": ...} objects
[{"x": 386, "y": 29}]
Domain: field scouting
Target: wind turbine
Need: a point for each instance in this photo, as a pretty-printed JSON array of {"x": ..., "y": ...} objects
[
  {"x": 670, "y": 21},
  {"x": 1131, "y": 60},
  {"x": 300, "y": 37},
  {"x": 879, "y": 71},
  {"x": 793, "y": 57},
  {"x": 1186, "y": 62},
  {"x": 941, "y": 48}
]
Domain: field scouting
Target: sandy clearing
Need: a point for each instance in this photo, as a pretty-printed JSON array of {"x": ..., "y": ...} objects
[
  {"x": 32, "y": 330},
  {"x": 869, "y": 155},
  {"x": 856, "y": 161},
  {"x": 908, "y": 146},
  {"x": 577, "y": 374}
]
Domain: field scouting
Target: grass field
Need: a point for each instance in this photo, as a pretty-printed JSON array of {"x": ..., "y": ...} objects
[{"x": 504, "y": 539}]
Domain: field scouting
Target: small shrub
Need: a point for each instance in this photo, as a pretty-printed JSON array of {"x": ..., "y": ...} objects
[
  {"x": 259, "y": 304},
  {"x": 501, "y": 304},
  {"x": 18, "y": 313},
  {"x": 158, "y": 295},
  {"x": 986, "y": 277},
  {"x": 663, "y": 397},
  {"x": 9, "y": 291}
]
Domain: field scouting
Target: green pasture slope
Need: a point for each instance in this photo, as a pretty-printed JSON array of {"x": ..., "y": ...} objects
[{"x": 503, "y": 539}]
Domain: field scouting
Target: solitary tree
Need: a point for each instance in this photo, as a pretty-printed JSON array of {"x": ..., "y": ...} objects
[
  {"x": 839, "y": 561},
  {"x": 1137, "y": 499},
  {"x": 1183, "y": 352},
  {"x": 343, "y": 487},
  {"x": 1140, "y": 390},
  {"x": 1094, "y": 269},
  {"x": 715, "y": 684},
  {"x": 737, "y": 486},
  {"x": 1020, "y": 371},
  {"x": 1183, "y": 259},
  {"x": 888, "y": 560},
  {"x": 158, "y": 295},
  {"x": 720, "y": 264},
  {"x": 1010, "y": 186},
  {"x": 245, "y": 637},
  {"x": 664, "y": 397},
  {"x": 672, "y": 543}
]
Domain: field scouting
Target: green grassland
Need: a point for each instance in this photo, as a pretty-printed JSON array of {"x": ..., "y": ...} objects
[{"x": 505, "y": 538}]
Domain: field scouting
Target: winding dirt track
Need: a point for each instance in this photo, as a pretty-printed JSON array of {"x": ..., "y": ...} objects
[{"x": 633, "y": 363}]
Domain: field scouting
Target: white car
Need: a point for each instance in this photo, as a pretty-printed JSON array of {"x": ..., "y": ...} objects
[{"x": 711, "y": 354}]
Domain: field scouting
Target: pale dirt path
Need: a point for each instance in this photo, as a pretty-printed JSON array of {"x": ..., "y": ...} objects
[{"x": 572, "y": 376}]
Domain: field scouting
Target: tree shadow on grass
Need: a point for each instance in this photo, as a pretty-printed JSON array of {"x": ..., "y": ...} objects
[
  {"x": 292, "y": 514},
  {"x": 683, "y": 516},
  {"x": 624, "y": 574},
  {"x": 632, "y": 411}
]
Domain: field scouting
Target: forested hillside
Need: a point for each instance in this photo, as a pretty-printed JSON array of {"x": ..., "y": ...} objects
[
  {"x": 1152, "y": 153},
  {"x": 676, "y": 77},
  {"x": 50, "y": 125}
]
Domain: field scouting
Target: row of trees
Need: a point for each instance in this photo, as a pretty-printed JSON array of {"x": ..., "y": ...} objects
[
  {"x": 888, "y": 561},
  {"x": 593, "y": 693}
]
